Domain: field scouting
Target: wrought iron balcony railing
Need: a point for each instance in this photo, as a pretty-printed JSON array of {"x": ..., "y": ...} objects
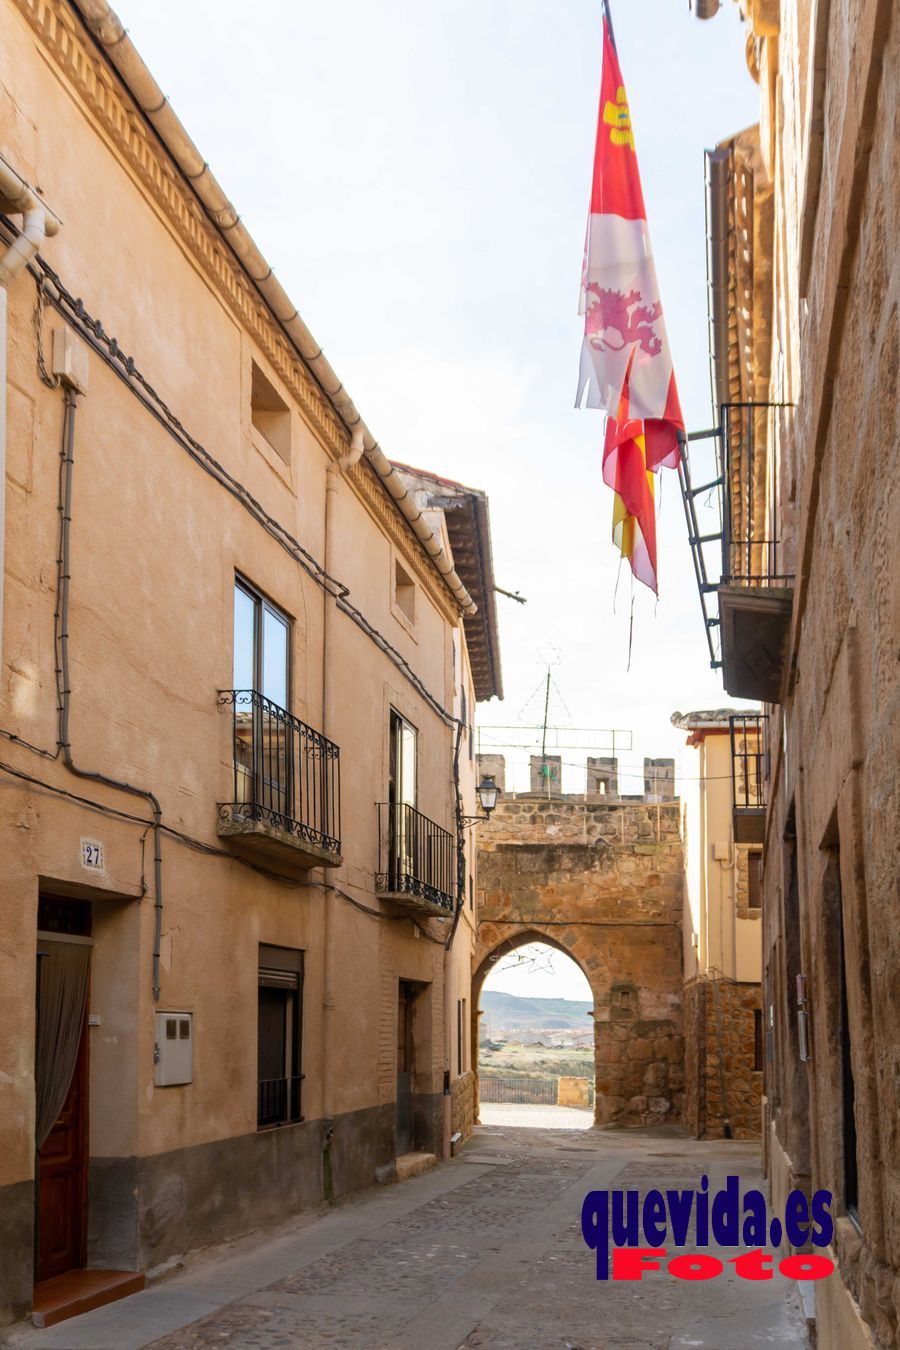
[
  {"x": 734, "y": 521},
  {"x": 416, "y": 858},
  {"x": 286, "y": 775},
  {"x": 751, "y": 549},
  {"x": 748, "y": 776}
]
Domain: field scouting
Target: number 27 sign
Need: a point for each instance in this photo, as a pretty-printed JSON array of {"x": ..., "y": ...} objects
[{"x": 92, "y": 855}]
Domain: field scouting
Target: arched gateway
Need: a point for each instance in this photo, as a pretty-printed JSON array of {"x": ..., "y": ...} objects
[{"x": 602, "y": 880}]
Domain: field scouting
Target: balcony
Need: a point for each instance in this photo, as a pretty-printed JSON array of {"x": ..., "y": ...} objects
[
  {"x": 748, "y": 778},
  {"x": 417, "y": 865},
  {"x": 285, "y": 812},
  {"x": 747, "y": 612},
  {"x": 755, "y": 594}
]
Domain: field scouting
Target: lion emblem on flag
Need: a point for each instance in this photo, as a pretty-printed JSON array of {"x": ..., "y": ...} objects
[{"x": 614, "y": 320}]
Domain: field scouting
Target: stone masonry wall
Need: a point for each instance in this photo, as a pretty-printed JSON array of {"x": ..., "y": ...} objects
[
  {"x": 719, "y": 1021},
  {"x": 603, "y": 882},
  {"x": 462, "y": 1104}
]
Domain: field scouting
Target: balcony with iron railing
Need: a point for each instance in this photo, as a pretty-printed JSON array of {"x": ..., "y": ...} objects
[
  {"x": 417, "y": 860},
  {"x": 754, "y": 592},
  {"x": 748, "y": 776},
  {"x": 285, "y": 810}
]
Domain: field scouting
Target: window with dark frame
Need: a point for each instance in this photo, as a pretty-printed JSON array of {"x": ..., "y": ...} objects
[
  {"x": 279, "y": 1036},
  {"x": 757, "y": 1040},
  {"x": 262, "y": 644},
  {"x": 460, "y": 1036},
  {"x": 754, "y": 880},
  {"x": 262, "y": 681}
]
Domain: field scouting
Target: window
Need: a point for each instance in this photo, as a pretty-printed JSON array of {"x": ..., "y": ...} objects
[
  {"x": 270, "y": 414},
  {"x": 757, "y": 1040},
  {"x": 405, "y": 841},
  {"x": 471, "y": 892},
  {"x": 262, "y": 681},
  {"x": 279, "y": 1032},
  {"x": 403, "y": 761},
  {"x": 404, "y": 592},
  {"x": 460, "y": 1036},
  {"x": 261, "y": 645},
  {"x": 754, "y": 880}
]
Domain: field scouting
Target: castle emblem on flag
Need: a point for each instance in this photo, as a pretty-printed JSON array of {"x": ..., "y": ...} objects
[{"x": 618, "y": 117}]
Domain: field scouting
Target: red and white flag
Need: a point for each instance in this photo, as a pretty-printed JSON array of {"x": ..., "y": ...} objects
[{"x": 626, "y": 365}]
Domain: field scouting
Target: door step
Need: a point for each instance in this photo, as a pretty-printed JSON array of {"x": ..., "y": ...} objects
[
  {"x": 411, "y": 1164},
  {"x": 78, "y": 1291}
]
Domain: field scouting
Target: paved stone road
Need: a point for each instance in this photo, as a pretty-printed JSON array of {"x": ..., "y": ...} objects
[{"x": 485, "y": 1251}]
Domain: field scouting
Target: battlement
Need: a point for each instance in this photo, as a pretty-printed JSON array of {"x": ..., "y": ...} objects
[{"x": 601, "y": 780}]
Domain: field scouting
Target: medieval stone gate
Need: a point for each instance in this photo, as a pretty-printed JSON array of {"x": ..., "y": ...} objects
[{"x": 600, "y": 878}]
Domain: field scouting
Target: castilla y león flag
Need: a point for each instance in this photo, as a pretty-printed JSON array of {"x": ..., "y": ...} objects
[{"x": 626, "y": 366}]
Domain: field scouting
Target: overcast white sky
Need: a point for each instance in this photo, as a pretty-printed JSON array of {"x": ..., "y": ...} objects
[{"x": 418, "y": 174}]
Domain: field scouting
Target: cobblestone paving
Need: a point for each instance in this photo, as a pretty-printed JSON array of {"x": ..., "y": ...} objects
[{"x": 484, "y": 1252}]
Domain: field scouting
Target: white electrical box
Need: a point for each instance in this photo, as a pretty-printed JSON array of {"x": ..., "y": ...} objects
[
  {"x": 721, "y": 852},
  {"x": 70, "y": 359},
  {"x": 174, "y": 1052}
]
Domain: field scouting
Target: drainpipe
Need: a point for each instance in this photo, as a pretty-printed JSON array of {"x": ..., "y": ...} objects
[
  {"x": 332, "y": 482},
  {"x": 719, "y": 173},
  {"x": 38, "y": 221},
  {"x": 107, "y": 29}
]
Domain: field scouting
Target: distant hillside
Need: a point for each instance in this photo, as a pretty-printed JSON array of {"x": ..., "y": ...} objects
[{"x": 510, "y": 1012}]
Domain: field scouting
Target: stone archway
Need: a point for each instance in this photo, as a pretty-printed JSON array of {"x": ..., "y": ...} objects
[
  {"x": 604, "y": 884},
  {"x": 493, "y": 944}
]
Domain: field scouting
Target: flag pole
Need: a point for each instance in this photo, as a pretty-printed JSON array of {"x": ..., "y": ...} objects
[{"x": 608, "y": 17}]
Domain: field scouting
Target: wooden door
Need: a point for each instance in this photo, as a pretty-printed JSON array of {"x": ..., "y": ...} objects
[
  {"x": 404, "y": 1067},
  {"x": 62, "y": 1181}
]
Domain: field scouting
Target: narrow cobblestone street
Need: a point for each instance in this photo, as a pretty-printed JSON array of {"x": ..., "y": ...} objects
[{"x": 483, "y": 1252}]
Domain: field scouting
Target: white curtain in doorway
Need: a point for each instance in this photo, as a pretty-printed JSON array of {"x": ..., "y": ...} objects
[{"x": 63, "y": 976}]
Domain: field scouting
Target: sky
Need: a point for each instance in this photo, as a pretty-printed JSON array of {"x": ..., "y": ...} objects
[
  {"x": 418, "y": 176},
  {"x": 539, "y": 971}
]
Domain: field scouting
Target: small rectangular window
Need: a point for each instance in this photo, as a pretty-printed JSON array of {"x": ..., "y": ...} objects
[
  {"x": 404, "y": 592},
  {"x": 270, "y": 414},
  {"x": 757, "y": 1040},
  {"x": 754, "y": 880}
]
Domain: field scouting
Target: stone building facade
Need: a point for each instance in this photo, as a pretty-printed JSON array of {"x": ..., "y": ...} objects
[
  {"x": 241, "y": 652},
  {"x": 723, "y": 1038},
  {"x": 603, "y": 882},
  {"x": 810, "y": 628}
]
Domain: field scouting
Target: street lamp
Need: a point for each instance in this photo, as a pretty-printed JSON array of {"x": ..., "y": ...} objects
[{"x": 488, "y": 792}]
